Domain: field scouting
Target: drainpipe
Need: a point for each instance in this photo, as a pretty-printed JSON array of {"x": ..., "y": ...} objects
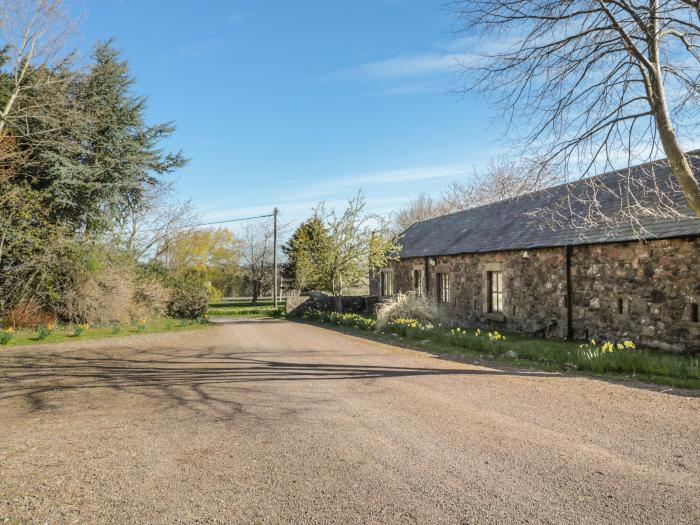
[{"x": 567, "y": 267}]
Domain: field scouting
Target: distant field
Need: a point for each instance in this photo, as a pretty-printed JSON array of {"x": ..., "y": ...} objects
[{"x": 242, "y": 307}]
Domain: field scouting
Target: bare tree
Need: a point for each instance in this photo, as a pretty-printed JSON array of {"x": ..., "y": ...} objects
[
  {"x": 34, "y": 33},
  {"x": 501, "y": 179},
  {"x": 419, "y": 209},
  {"x": 146, "y": 227},
  {"x": 591, "y": 83},
  {"x": 257, "y": 258},
  {"x": 359, "y": 244}
]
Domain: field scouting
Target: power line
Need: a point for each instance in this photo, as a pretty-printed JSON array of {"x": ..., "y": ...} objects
[{"x": 188, "y": 226}]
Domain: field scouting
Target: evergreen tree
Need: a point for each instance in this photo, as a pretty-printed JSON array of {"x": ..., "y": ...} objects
[
  {"x": 102, "y": 156},
  {"x": 306, "y": 251}
]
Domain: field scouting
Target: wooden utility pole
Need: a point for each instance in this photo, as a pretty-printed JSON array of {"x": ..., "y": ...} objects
[{"x": 274, "y": 256}]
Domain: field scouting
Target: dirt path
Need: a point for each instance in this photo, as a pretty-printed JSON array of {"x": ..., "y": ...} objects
[{"x": 263, "y": 421}]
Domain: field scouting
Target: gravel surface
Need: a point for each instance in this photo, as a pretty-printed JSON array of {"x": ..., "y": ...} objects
[{"x": 268, "y": 421}]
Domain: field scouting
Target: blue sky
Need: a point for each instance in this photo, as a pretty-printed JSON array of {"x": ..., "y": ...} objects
[{"x": 283, "y": 103}]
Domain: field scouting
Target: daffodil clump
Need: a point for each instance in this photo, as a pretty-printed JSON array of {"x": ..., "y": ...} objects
[
  {"x": 493, "y": 337},
  {"x": 6, "y": 335},
  {"x": 410, "y": 323},
  {"x": 403, "y": 326},
  {"x": 608, "y": 347},
  {"x": 80, "y": 329},
  {"x": 141, "y": 326},
  {"x": 44, "y": 331},
  {"x": 341, "y": 319},
  {"x": 496, "y": 336}
]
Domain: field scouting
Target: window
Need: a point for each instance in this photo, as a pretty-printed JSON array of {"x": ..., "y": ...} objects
[
  {"x": 620, "y": 306},
  {"x": 495, "y": 291},
  {"x": 694, "y": 313},
  {"x": 386, "y": 283},
  {"x": 418, "y": 281},
  {"x": 443, "y": 287}
]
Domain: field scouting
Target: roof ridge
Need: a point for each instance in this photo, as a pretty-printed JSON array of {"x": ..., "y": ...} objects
[{"x": 694, "y": 152}]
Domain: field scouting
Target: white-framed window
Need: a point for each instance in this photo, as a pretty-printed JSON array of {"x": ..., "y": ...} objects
[
  {"x": 418, "y": 282},
  {"x": 443, "y": 287},
  {"x": 494, "y": 282},
  {"x": 386, "y": 283}
]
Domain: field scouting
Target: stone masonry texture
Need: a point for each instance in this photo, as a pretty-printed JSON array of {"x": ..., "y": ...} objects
[{"x": 644, "y": 291}]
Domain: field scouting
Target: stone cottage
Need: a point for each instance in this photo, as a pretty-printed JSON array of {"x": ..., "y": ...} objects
[{"x": 509, "y": 266}]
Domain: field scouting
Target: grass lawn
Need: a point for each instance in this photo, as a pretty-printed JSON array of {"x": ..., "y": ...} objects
[
  {"x": 649, "y": 366},
  {"x": 243, "y": 308},
  {"x": 62, "y": 333}
]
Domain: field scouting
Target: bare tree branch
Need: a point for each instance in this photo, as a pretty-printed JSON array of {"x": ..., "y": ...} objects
[{"x": 590, "y": 84}]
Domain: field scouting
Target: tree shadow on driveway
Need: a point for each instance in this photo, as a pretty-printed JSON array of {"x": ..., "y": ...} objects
[{"x": 183, "y": 376}]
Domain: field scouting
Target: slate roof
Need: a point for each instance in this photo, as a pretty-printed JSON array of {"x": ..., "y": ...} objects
[{"x": 510, "y": 224}]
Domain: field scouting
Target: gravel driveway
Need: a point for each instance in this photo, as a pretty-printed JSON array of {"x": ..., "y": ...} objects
[{"x": 265, "y": 421}]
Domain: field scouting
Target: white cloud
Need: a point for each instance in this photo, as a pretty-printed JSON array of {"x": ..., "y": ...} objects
[
  {"x": 430, "y": 71},
  {"x": 411, "y": 66},
  {"x": 391, "y": 179}
]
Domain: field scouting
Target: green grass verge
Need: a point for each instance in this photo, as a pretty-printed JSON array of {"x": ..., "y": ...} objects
[
  {"x": 63, "y": 333},
  {"x": 243, "y": 308},
  {"x": 544, "y": 354}
]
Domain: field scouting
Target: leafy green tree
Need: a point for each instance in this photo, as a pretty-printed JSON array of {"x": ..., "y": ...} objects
[
  {"x": 305, "y": 253},
  {"x": 209, "y": 255}
]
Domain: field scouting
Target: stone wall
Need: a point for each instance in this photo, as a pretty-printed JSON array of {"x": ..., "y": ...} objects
[
  {"x": 644, "y": 291},
  {"x": 296, "y": 304},
  {"x": 641, "y": 291}
]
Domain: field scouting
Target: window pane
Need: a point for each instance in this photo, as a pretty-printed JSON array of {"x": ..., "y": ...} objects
[
  {"x": 386, "y": 283},
  {"x": 494, "y": 281}
]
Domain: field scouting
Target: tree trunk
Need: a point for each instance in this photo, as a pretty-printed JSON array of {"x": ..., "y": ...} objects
[
  {"x": 256, "y": 293},
  {"x": 677, "y": 160},
  {"x": 337, "y": 291}
]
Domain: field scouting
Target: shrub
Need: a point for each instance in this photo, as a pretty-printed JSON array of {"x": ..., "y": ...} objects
[
  {"x": 29, "y": 315},
  {"x": 351, "y": 320},
  {"x": 97, "y": 286},
  {"x": 151, "y": 297},
  {"x": 188, "y": 299},
  {"x": 406, "y": 306}
]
